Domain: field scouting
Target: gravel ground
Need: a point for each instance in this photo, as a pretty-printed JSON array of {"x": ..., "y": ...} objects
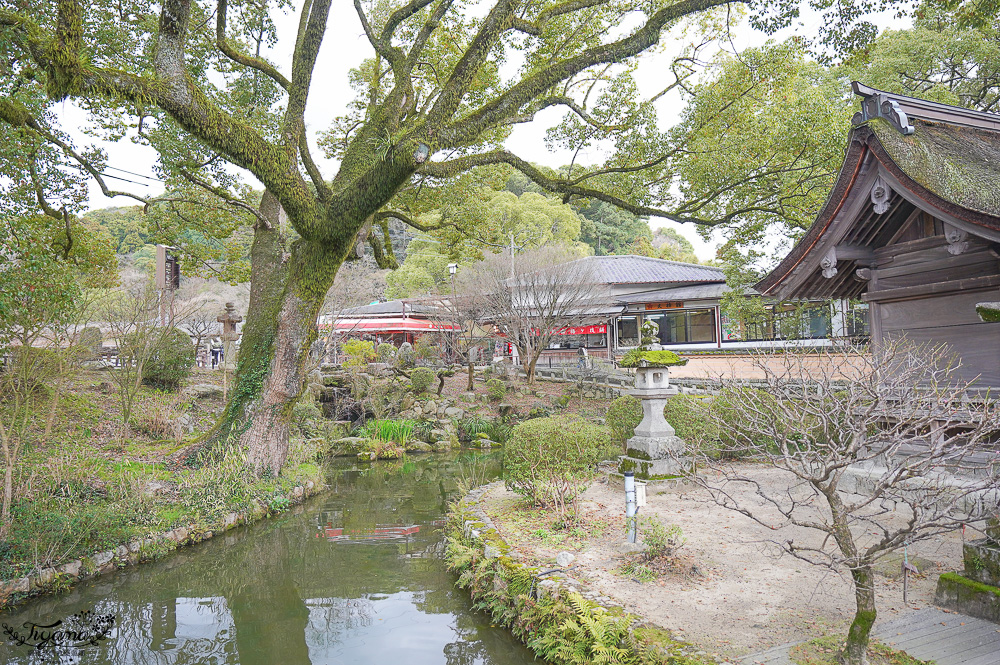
[{"x": 727, "y": 589}]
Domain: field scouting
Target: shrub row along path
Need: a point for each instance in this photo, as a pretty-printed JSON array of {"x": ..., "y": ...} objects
[
  {"x": 928, "y": 634},
  {"x": 725, "y": 590}
]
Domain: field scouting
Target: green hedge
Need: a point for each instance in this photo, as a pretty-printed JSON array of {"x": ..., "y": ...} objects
[{"x": 623, "y": 416}]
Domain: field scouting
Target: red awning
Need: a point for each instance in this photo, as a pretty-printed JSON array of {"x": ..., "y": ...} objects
[
  {"x": 390, "y": 324},
  {"x": 575, "y": 330}
]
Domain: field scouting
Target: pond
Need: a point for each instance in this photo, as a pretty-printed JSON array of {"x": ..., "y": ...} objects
[{"x": 353, "y": 576}]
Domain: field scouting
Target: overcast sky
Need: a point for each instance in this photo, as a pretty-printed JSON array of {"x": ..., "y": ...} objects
[{"x": 344, "y": 47}]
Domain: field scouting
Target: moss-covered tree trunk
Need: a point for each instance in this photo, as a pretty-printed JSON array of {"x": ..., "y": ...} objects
[
  {"x": 288, "y": 284},
  {"x": 856, "y": 650}
]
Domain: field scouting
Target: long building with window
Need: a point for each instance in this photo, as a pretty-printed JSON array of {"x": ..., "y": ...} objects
[{"x": 684, "y": 300}]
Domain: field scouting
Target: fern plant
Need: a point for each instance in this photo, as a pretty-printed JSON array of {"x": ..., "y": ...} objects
[{"x": 593, "y": 635}]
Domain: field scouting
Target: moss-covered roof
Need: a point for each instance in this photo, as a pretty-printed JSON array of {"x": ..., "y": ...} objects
[
  {"x": 643, "y": 358},
  {"x": 958, "y": 164}
]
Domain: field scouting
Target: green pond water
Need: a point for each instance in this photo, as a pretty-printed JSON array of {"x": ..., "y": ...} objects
[{"x": 353, "y": 576}]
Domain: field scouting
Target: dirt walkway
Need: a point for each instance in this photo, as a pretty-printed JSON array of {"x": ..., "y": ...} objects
[{"x": 728, "y": 591}]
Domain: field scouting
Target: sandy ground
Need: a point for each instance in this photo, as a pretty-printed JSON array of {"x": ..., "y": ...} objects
[{"x": 728, "y": 590}]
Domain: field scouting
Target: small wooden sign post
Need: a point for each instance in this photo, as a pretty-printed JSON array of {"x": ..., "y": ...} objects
[{"x": 168, "y": 279}]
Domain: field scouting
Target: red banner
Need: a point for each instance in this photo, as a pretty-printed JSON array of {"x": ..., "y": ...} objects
[{"x": 583, "y": 330}]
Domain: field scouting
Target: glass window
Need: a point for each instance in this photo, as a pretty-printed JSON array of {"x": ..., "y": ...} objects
[
  {"x": 686, "y": 326},
  {"x": 628, "y": 331}
]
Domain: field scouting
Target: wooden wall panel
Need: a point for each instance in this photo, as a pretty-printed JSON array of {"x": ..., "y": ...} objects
[
  {"x": 978, "y": 346},
  {"x": 958, "y": 267},
  {"x": 949, "y": 310}
]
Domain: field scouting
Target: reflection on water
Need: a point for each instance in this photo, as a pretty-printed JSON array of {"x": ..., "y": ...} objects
[{"x": 355, "y": 576}]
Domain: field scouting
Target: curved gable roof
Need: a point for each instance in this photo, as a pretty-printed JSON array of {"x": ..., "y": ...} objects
[{"x": 945, "y": 160}]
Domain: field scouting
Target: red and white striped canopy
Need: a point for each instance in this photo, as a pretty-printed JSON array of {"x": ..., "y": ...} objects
[{"x": 390, "y": 324}]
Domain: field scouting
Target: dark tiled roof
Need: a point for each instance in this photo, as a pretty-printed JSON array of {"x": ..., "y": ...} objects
[
  {"x": 695, "y": 292},
  {"x": 391, "y": 308},
  {"x": 644, "y": 270}
]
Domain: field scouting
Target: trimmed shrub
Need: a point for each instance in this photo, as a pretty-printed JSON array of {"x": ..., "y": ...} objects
[
  {"x": 421, "y": 379},
  {"x": 552, "y": 460},
  {"x": 496, "y": 389},
  {"x": 692, "y": 421},
  {"x": 385, "y": 352},
  {"x": 170, "y": 361},
  {"x": 623, "y": 416},
  {"x": 359, "y": 352}
]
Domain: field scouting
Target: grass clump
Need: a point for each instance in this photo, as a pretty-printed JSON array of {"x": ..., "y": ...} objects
[{"x": 496, "y": 389}]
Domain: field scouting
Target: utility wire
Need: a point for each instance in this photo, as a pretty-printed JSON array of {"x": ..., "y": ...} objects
[{"x": 139, "y": 175}]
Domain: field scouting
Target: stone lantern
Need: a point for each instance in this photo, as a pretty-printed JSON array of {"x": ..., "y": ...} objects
[{"x": 655, "y": 452}]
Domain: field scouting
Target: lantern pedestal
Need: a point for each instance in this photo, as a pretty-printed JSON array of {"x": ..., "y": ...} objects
[{"x": 655, "y": 452}]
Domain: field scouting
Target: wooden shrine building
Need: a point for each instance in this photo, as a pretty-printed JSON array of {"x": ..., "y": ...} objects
[{"x": 912, "y": 227}]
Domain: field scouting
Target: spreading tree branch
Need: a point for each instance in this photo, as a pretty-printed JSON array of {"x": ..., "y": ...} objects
[{"x": 223, "y": 44}]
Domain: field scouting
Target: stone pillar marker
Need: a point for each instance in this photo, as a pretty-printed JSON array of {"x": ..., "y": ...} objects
[
  {"x": 655, "y": 452},
  {"x": 229, "y": 336}
]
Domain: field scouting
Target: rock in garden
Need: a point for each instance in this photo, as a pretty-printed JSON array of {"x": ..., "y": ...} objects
[
  {"x": 431, "y": 408},
  {"x": 348, "y": 445},
  {"x": 505, "y": 408},
  {"x": 453, "y": 412},
  {"x": 563, "y": 559},
  {"x": 155, "y": 487},
  {"x": 419, "y": 447},
  {"x": 205, "y": 391}
]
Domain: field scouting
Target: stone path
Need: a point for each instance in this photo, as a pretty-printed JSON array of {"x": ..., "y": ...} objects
[{"x": 928, "y": 634}]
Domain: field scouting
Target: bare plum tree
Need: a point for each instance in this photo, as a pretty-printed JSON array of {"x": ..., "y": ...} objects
[
  {"x": 879, "y": 450},
  {"x": 533, "y": 296}
]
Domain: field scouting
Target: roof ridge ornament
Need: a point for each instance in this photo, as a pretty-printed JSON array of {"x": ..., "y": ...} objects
[{"x": 880, "y": 105}]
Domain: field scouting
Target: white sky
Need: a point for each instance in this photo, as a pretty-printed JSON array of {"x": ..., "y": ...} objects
[{"x": 344, "y": 47}]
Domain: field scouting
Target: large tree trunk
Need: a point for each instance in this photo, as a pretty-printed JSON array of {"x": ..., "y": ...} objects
[
  {"x": 856, "y": 650},
  {"x": 286, "y": 293}
]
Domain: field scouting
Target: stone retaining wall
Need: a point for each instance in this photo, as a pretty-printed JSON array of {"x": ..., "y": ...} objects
[
  {"x": 498, "y": 578},
  {"x": 137, "y": 551},
  {"x": 481, "y": 530}
]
